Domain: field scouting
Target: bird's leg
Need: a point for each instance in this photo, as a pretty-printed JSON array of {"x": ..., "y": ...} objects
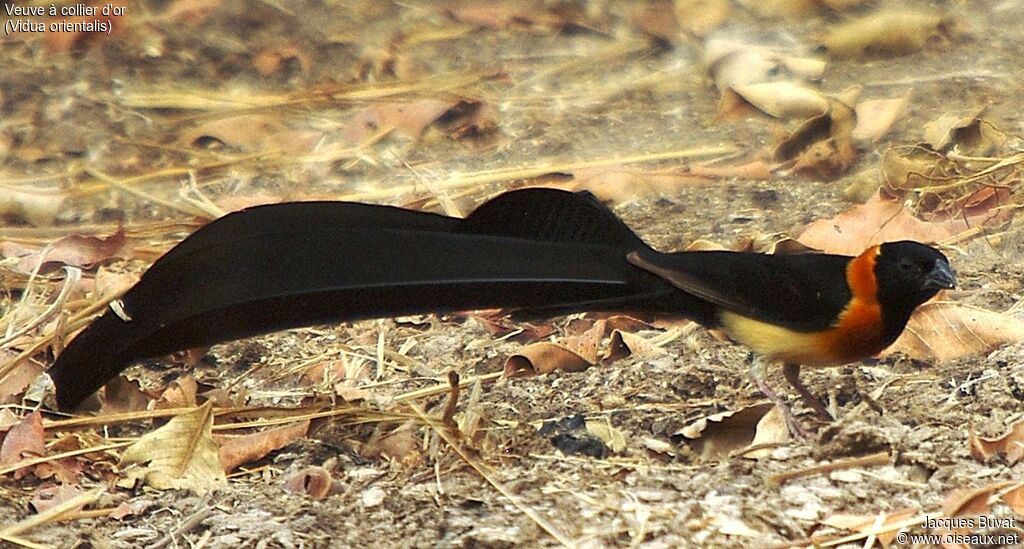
[
  {"x": 758, "y": 373},
  {"x": 792, "y": 373}
]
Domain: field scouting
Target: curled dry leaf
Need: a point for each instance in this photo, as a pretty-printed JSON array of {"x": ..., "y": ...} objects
[
  {"x": 965, "y": 133},
  {"x": 823, "y": 145},
  {"x": 623, "y": 344},
  {"x": 572, "y": 354},
  {"x": 181, "y": 393},
  {"x": 465, "y": 117},
  {"x": 875, "y": 117},
  {"x": 401, "y": 444},
  {"x": 39, "y": 207},
  {"x": 74, "y": 250},
  {"x": 778, "y": 99},
  {"x": 180, "y": 455},
  {"x": 251, "y": 133},
  {"x": 890, "y": 32},
  {"x": 315, "y": 482},
  {"x": 123, "y": 395},
  {"x": 239, "y": 450},
  {"x": 1015, "y": 499},
  {"x": 719, "y": 434},
  {"x": 50, "y": 496},
  {"x": 271, "y": 61},
  {"x": 732, "y": 63},
  {"x": 944, "y": 331},
  {"x": 971, "y": 502},
  {"x": 16, "y": 382},
  {"x": 1010, "y": 444}
]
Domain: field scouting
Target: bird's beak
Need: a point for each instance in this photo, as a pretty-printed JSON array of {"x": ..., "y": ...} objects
[{"x": 940, "y": 278}]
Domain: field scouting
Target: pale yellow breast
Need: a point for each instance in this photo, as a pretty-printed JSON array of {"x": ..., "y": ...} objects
[{"x": 827, "y": 348}]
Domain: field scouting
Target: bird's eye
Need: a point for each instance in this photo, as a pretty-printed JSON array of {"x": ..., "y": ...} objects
[{"x": 906, "y": 267}]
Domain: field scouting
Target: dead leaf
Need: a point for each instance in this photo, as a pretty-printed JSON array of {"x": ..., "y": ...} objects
[
  {"x": 823, "y": 145},
  {"x": 613, "y": 438},
  {"x": 181, "y": 393},
  {"x": 251, "y": 132},
  {"x": 971, "y": 502},
  {"x": 778, "y": 99},
  {"x": 315, "y": 482},
  {"x": 658, "y": 20},
  {"x": 401, "y": 444},
  {"x": 24, "y": 440},
  {"x": 876, "y": 221},
  {"x": 624, "y": 343},
  {"x": 123, "y": 395},
  {"x": 875, "y": 117},
  {"x": 1015, "y": 499},
  {"x": 771, "y": 430},
  {"x": 720, "y": 434},
  {"x": 943, "y": 331},
  {"x": 46, "y": 497},
  {"x": 889, "y": 32},
  {"x": 74, "y": 250},
  {"x": 543, "y": 358},
  {"x": 238, "y": 450},
  {"x": 965, "y": 133},
  {"x": 14, "y": 384},
  {"x": 732, "y": 63},
  {"x": 180, "y": 455},
  {"x": 492, "y": 14},
  {"x": 1010, "y": 444},
  {"x": 38, "y": 206},
  {"x": 409, "y": 118}
]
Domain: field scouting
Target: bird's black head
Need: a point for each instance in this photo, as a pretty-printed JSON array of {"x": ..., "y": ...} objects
[{"x": 908, "y": 274}]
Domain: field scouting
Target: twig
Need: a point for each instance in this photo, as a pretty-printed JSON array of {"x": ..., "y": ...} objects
[{"x": 881, "y": 458}]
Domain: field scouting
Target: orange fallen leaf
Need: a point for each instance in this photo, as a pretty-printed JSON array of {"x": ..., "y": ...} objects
[
  {"x": 24, "y": 440},
  {"x": 971, "y": 502},
  {"x": 238, "y": 450},
  {"x": 73, "y": 250},
  {"x": 876, "y": 221},
  {"x": 14, "y": 384},
  {"x": 315, "y": 482},
  {"x": 123, "y": 395},
  {"x": 251, "y": 132},
  {"x": 1010, "y": 444},
  {"x": 940, "y": 331},
  {"x": 719, "y": 434},
  {"x": 543, "y": 358},
  {"x": 888, "y": 32}
]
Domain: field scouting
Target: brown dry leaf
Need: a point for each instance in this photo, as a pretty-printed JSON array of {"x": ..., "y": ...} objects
[
  {"x": 73, "y": 250},
  {"x": 46, "y": 497},
  {"x": 942, "y": 331},
  {"x": 543, "y": 358},
  {"x": 868, "y": 523},
  {"x": 238, "y": 450},
  {"x": 875, "y": 117},
  {"x": 823, "y": 145},
  {"x": 700, "y": 17},
  {"x": 971, "y": 502},
  {"x": 1010, "y": 444},
  {"x": 39, "y": 207},
  {"x": 181, "y": 393},
  {"x": 1015, "y": 499},
  {"x": 613, "y": 438},
  {"x": 890, "y": 32},
  {"x": 123, "y": 395},
  {"x": 180, "y": 455},
  {"x": 315, "y": 482},
  {"x": 876, "y": 221},
  {"x": 251, "y": 132},
  {"x": 24, "y": 440},
  {"x": 409, "y": 118},
  {"x": 17, "y": 381},
  {"x": 778, "y": 99},
  {"x": 719, "y": 434},
  {"x": 506, "y": 14},
  {"x": 771, "y": 430},
  {"x": 402, "y": 444},
  {"x": 965, "y": 133},
  {"x": 624, "y": 343},
  {"x": 732, "y": 63}
]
